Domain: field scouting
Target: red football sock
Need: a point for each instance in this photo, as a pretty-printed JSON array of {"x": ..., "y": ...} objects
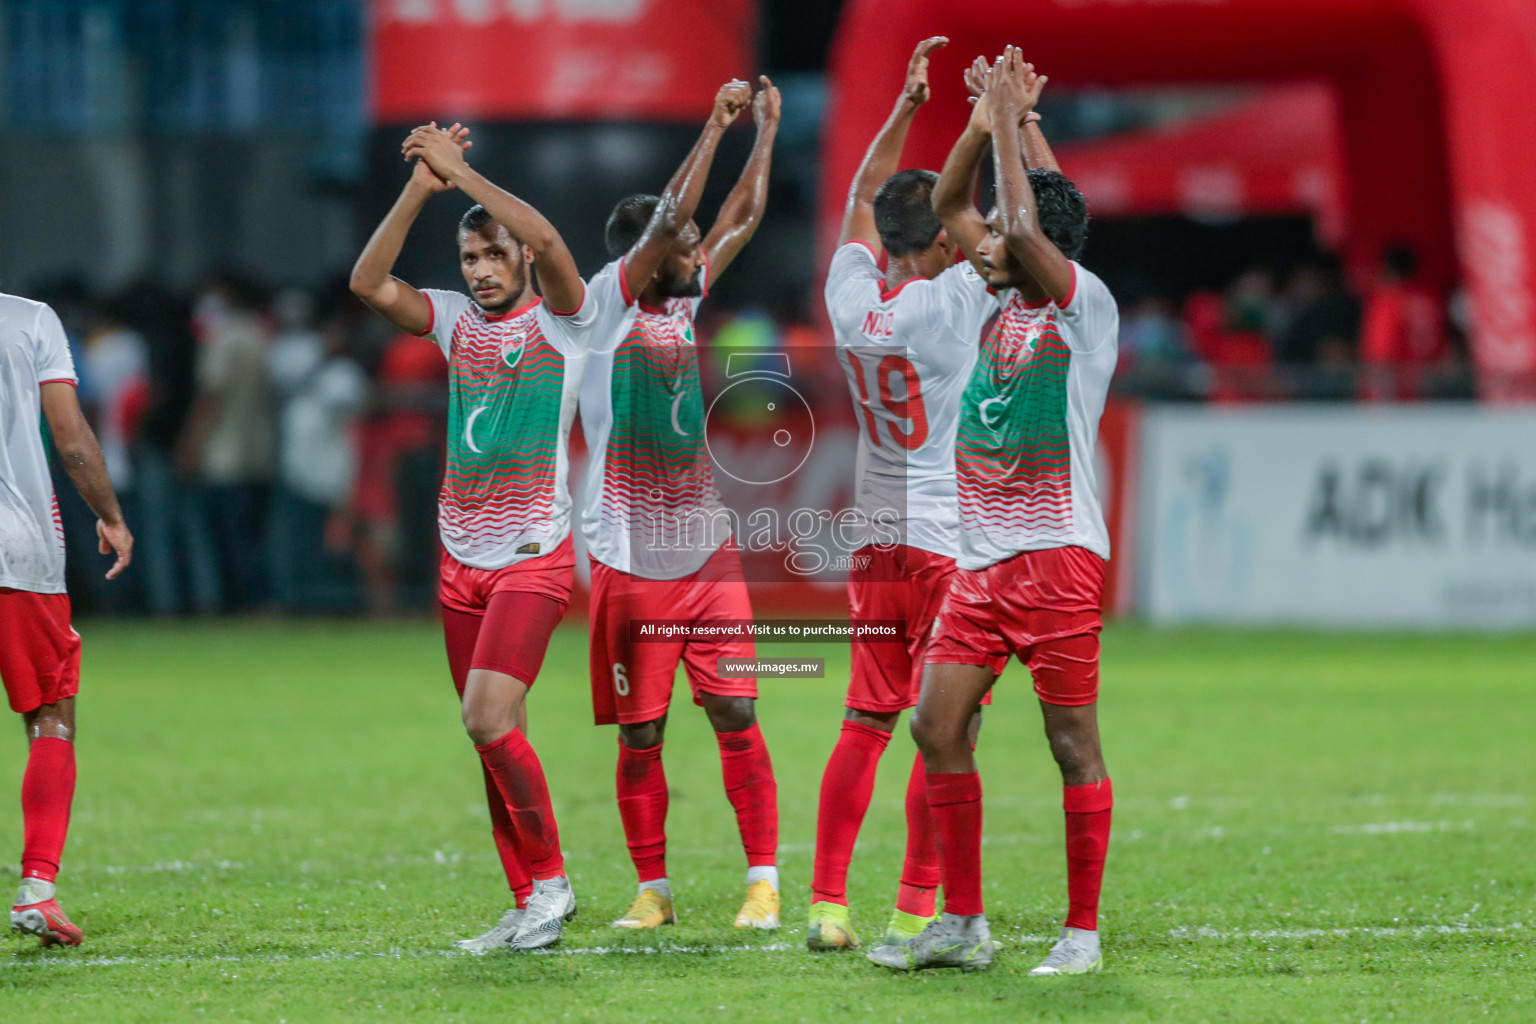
[
  {"x": 642, "y": 785},
  {"x": 750, "y": 786},
  {"x": 513, "y": 863},
  {"x": 520, "y": 777},
  {"x": 1088, "y": 811},
  {"x": 955, "y": 800},
  {"x": 920, "y": 869},
  {"x": 846, "y": 788},
  {"x": 47, "y": 789}
]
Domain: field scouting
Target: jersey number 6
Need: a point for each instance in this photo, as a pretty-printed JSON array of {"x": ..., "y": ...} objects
[
  {"x": 620, "y": 680},
  {"x": 907, "y": 407}
]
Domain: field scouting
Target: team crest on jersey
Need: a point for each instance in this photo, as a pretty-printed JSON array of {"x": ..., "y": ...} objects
[
  {"x": 668, "y": 329},
  {"x": 512, "y": 346},
  {"x": 1016, "y": 339}
]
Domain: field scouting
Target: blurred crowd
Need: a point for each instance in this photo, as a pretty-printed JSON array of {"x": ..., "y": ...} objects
[
  {"x": 1304, "y": 334},
  {"x": 271, "y": 450}
]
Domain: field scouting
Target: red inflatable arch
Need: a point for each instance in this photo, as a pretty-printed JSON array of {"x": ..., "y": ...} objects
[{"x": 1436, "y": 103}]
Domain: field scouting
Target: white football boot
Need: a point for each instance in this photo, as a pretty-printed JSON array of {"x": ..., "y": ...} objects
[
  {"x": 1075, "y": 952},
  {"x": 498, "y": 937},
  {"x": 551, "y": 905}
]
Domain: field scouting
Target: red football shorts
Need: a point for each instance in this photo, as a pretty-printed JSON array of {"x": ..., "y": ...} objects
[
  {"x": 900, "y": 583},
  {"x": 632, "y": 682},
  {"x": 501, "y": 619},
  {"x": 39, "y": 650},
  {"x": 1042, "y": 606}
]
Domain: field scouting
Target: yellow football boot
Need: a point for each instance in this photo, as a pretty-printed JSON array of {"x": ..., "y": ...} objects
[
  {"x": 760, "y": 910},
  {"x": 650, "y": 910}
]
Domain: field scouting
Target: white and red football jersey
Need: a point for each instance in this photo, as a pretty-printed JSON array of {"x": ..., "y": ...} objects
[
  {"x": 651, "y": 506},
  {"x": 907, "y": 355},
  {"x": 33, "y": 352},
  {"x": 1029, "y": 426},
  {"x": 512, "y": 383}
]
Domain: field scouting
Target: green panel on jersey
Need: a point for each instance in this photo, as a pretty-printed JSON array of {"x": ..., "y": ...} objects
[
  {"x": 657, "y": 440},
  {"x": 1012, "y": 450},
  {"x": 504, "y": 426}
]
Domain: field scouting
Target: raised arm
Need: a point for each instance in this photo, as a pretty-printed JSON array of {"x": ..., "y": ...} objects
[
  {"x": 883, "y": 158},
  {"x": 392, "y": 298},
  {"x": 82, "y": 459},
  {"x": 681, "y": 197},
  {"x": 1037, "y": 152},
  {"x": 954, "y": 197},
  {"x": 1012, "y": 90},
  {"x": 559, "y": 279},
  {"x": 742, "y": 210}
]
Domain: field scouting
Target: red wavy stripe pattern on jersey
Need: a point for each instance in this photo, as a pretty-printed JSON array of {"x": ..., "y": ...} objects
[
  {"x": 1013, "y": 456},
  {"x": 658, "y": 482},
  {"x": 505, "y": 389}
]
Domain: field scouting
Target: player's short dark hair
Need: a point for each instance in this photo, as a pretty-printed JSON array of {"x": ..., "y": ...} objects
[
  {"x": 1061, "y": 209},
  {"x": 904, "y": 212},
  {"x": 478, "y": 219},
  {"x": 627, "y": 223}
]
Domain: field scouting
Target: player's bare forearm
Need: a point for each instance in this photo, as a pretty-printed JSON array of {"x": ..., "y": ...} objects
[
  {"x": 680, "y": 199},
  {"x": 1037, "y": 151},
  {"x": 1019, "y": 220},
  {"x": 371, "y": 279},
  {"x": 742, "y": 210},
  {"x": 559, "y": 279},
  {"x": 954, "y": 196},
  {"x": 78, "y": 451},
  {"x": 881, "y": 160},
  {"x": 678, "y": 203},
  {"x": 953, "y": 193}
]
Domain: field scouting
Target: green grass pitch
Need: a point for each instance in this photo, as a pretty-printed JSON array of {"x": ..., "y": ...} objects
[{"x": 284, "y": 822}]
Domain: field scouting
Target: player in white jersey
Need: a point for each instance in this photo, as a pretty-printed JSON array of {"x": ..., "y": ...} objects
[
  {"x": 1033, "y": 543},
  {"x": 39, "y": 650},
  {"x": 906, "y": 338},
  {"x": 655, "y": 524},
  {"x": 515, "y": 360}
]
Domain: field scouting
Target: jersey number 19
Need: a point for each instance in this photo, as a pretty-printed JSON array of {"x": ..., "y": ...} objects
[{"x": 909, "y": 407}]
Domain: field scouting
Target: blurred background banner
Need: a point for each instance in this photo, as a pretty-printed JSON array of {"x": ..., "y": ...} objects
[
  {"x": 1338, "y": 517},
  {"x": 1433, "y": 113},
  {"x": 602, "y": 60}
]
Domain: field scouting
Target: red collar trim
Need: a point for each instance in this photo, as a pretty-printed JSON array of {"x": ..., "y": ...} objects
[
  {"x": 648, "y": 308},
  {"x": 629, "y": 300},
  {"x": 887, "y": 296},
  {"x": 499, "y": 317},
  {"x": 1035, "y": 305}
]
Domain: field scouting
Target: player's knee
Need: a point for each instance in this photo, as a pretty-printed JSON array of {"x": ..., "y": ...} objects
[
  {"x": 642, "y": 735},
  {"x": 1075, "y": 750},
  {"x": 51, "y": 728},
  {"x": 934, "y": 736},
  {"x": 483, "y": 726},
  {"x": 730, "y": 714},
  {"x": 885, "y": 721},
  {"x": 47, "y": 722}
]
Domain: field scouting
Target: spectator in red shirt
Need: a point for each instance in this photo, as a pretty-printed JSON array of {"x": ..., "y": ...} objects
[{"x": 1403, "y": 333}]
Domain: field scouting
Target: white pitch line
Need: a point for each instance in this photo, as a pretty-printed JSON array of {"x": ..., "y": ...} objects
[
  {"x": 62, "y": 959},
  {"x": 1341, "y": 933}
]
